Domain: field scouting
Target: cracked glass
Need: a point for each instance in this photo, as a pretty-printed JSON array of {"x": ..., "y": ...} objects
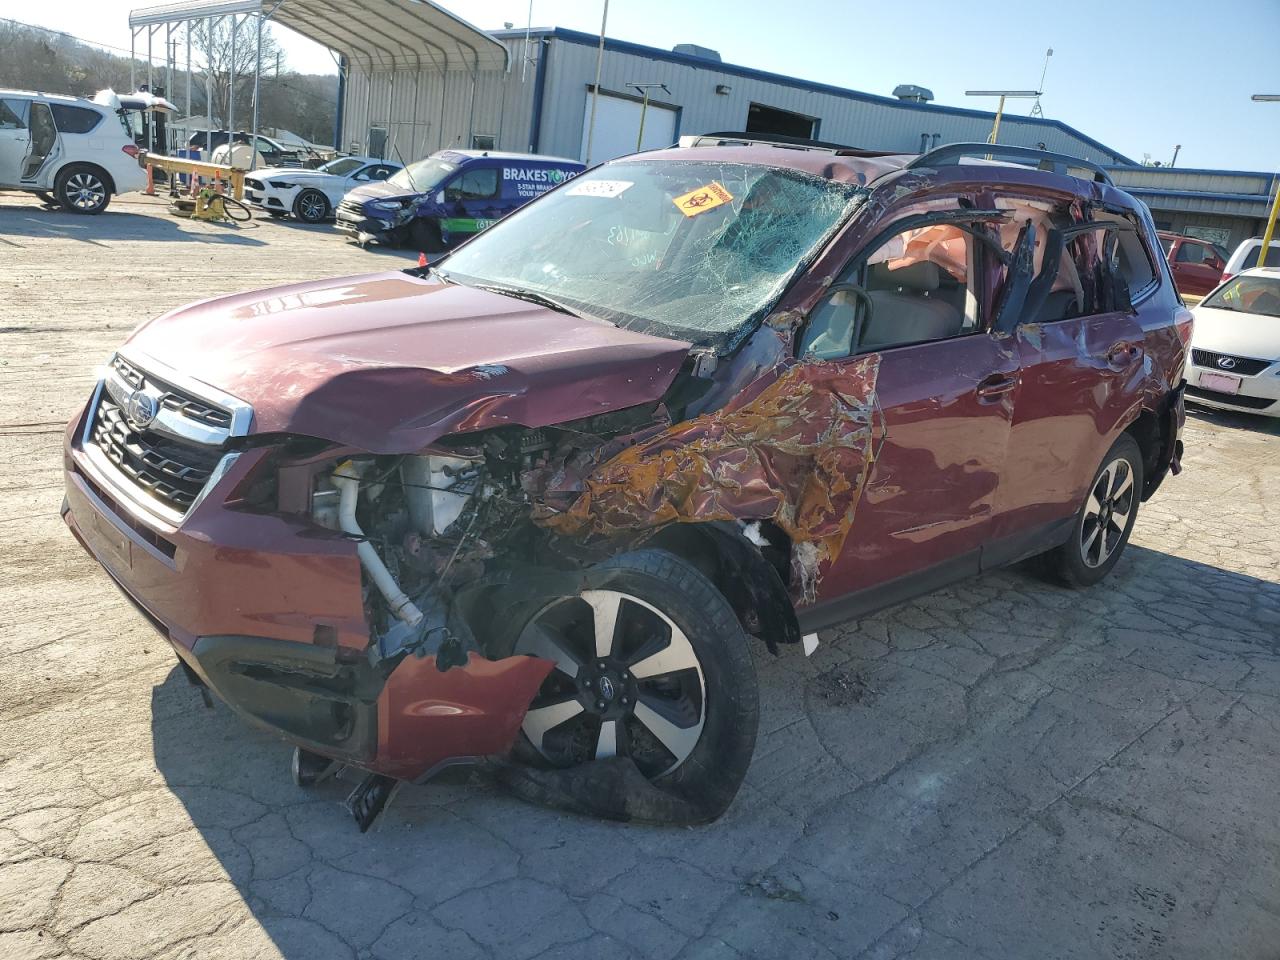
[{"x": 695, "y": 250}]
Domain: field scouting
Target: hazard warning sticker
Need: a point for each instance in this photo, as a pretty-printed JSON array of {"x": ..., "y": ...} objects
[{"x": 702, "y": 199}]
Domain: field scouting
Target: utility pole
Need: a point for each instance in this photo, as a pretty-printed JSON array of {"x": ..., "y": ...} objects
[
  {"x": 1275, "y": 204},
  {"x": 595, "y": 91},
  {"x": 994, "y": 136},
  {"x": 644, "y": 89}
]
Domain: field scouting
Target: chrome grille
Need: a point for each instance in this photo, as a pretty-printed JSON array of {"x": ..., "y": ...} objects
[
  {"x": 157, "y": 440},
  {"x": 172, "y": 471},
  {"x": 1245, "y": 366}
]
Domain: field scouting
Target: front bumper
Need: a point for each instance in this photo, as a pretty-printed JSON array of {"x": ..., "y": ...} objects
[
  {"x": 267, "y": 611},
  {"x": 1258, "y": 393},
  {"x": 270, "y": 200},
  {"x": 365, "y": 228}
]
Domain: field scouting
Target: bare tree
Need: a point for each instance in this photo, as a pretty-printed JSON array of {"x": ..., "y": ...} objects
[{"x": 225, "y": 61}]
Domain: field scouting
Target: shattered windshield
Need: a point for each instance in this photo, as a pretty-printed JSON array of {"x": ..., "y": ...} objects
[
  {"x": 423, "y": 175},
  {"x": 694, "y": 249}
]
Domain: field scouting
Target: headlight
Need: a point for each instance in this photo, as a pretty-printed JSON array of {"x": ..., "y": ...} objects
[
  {"x": 390, "y": 206},
  {"x": 281, "y": 184}
]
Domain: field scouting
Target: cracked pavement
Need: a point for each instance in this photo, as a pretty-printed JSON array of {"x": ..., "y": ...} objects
[{"x": 1002, "y": 769}]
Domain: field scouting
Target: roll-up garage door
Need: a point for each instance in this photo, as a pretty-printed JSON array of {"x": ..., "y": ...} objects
[{"x": 618, "y": 125}]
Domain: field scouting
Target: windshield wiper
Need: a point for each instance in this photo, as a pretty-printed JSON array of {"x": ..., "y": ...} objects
[{"x": 519, "y": 293}]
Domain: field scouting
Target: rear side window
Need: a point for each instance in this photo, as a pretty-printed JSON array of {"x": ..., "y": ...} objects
[
  {"x": 1129, "y": 258},
  {"x": 1191, "y": 253},
  {"x": 13, "y": 115},
  {"x": 71, "y": 119}
]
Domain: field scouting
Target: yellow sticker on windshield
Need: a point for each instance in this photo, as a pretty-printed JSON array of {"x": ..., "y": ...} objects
[{"x": 702, "y": 199}]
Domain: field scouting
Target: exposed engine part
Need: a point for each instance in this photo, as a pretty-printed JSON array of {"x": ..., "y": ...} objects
[
  {"x": 429, "y": 484},
  {"x": 347, "y": 480}
]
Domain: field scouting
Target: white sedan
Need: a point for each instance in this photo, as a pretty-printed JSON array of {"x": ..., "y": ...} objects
[
  {"x": 312, "y": 195},
  {"x": 1235, "y": 346}
]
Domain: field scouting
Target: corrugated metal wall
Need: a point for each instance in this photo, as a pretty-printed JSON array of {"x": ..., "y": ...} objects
[
  {"x": 445, "y": 116},
  {"x": 871, "y": 125},
  {"x": 431, "y": 109}
]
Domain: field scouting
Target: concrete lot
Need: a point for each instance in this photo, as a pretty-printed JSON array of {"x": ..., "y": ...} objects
[{"x": 1004, "y": 769}]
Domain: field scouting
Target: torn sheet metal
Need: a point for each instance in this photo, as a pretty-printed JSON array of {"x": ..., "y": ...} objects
[{"x": 798, "y": 452}]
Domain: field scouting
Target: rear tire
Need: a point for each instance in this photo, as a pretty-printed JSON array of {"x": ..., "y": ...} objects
[
  {"x": 82, "y": 188},
  {"x": 653, "y": 669},
  {"x": 1105, "y": 519},
  {"x": 311, "y": 206}
]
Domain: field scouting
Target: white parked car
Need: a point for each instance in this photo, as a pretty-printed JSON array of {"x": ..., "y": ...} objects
[
  {"x": 1246, "y": 256},
  {"x": 1235, "y": 346},
  {"x": 76, "y": 152},
  {"x": 313, "y": 195}
]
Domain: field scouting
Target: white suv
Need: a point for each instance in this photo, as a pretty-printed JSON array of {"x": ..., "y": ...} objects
[{"x": 77, "y": 152}]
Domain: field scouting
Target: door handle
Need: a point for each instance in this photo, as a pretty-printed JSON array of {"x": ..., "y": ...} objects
[{"x": 995, "y": 386}]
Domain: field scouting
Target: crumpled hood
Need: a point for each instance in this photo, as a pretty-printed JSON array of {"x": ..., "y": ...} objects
[
  {"x": 388, "y": 362},
  {"x": 382, "y": 190}
]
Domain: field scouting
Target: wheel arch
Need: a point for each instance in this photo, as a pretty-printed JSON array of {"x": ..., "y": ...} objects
[
  {"x": 103, "y": 172},
  {"x": 751, "y": 582}
]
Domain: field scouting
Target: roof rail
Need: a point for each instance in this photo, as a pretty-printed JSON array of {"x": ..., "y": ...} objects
[
  {"x": 951, "y": 154},
  {"x": 778, "y": 140}
]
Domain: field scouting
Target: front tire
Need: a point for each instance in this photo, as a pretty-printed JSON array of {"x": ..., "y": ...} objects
[
  {"x": 1105, "y": 520},
  {"x": 653, "y": 669},
  {"x": 83, "y": 189},
  {"x": 311, "y": 206},
  {"x": 425, "y": 235}
]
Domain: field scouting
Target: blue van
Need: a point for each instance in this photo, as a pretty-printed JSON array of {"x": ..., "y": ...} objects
[{"x": 448, "y": 197}]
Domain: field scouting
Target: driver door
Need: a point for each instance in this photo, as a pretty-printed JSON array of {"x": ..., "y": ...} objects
[{"x": 946, "y": 389}]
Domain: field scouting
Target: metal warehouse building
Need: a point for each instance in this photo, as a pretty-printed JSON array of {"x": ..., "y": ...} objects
[
  {"x": 542, "y": 103},
  {"x": 416, "y": 78}
]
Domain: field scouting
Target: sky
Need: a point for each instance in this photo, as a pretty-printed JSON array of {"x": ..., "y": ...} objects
[{"x": 1139, "y": 75}]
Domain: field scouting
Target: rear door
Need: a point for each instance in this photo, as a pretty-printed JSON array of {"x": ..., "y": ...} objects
[
  {"x": 945, "y": 387},
  {"x": 1196, "y": 267},
  {"x": 42, "y": 147},
  {"x": 15, "y": 138},
  {"x": 1082, "y": 353}
]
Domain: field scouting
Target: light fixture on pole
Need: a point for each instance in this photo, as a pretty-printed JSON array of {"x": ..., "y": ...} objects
[
  {"x": 1003, "y": 95},
  {"x": 644, "y": 89},
  {"x": 1275, "y": 204},
  {"x": 1035, "y": 107}
]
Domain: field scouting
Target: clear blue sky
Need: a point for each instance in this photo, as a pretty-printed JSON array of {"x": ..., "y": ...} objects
[{"x": 1139, "y": 75}]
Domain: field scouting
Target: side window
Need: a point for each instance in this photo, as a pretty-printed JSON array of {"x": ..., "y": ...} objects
[
  {"x": 920, "y": 286},
  {"x": 1191, "y": 253},
  {"x": 13, "y": 114},
  {"x": 69, "y": 119},
  {"x": 1131, "y": 261},
  {"x": 474, "y": 185}
]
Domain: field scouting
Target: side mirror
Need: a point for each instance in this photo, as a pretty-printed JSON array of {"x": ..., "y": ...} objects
[{"x": 834, "y": 326}]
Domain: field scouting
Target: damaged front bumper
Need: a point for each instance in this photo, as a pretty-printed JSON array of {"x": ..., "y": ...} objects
[{"x": 267, "y": 611}]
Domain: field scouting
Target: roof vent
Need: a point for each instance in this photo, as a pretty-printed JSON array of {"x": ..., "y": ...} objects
[
  {"x": 912, "y": 94},
  {"x": 693, "y": 50}
]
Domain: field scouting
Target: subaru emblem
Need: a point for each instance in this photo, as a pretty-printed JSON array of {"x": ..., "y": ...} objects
[
  {"x": 141, "y": 409},
  {"x": 1227, "y": 363},
  {"x": 606, "y": 688}
]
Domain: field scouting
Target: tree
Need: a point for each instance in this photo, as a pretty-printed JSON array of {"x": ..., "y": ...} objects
[{"x": 225, "y": 62}]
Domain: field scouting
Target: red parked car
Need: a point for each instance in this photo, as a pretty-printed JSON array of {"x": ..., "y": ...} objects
[
  {"x": 1196, "y": 264},
  {"x": 536, "y": 503}
]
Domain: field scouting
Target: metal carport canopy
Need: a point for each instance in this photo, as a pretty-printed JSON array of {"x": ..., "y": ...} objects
[{"x": 371, "y": 34}]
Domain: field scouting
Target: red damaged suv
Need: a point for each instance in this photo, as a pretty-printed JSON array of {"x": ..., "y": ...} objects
[{"x": 533, "y": 503}]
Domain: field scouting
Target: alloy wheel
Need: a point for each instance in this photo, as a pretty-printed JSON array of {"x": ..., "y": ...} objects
[
  {"x": 312, "y": 206},
  {"x": 85, "y": 191},
  {"x": 627, "y": 682},
  {"x": 1106, "y": 513}
]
